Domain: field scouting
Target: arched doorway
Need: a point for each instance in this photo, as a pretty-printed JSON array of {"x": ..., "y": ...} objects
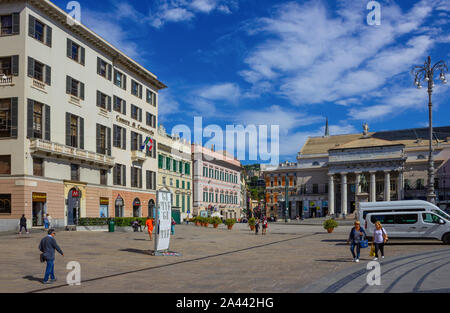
[
  {"x": 137, "y": 208},
  {"x": 119, "y": 206},
  {"x": 73, "y": 206},
  {"x": 151, "y": 209}
]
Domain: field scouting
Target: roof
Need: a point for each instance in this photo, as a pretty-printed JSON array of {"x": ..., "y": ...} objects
[{"x": 410, "y": 138}]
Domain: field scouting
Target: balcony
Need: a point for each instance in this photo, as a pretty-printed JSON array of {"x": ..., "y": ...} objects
[
  {"x": 70, "y": 153},
  {"x": 6, "y": 81},
  {"x": 138, "y": 156}
]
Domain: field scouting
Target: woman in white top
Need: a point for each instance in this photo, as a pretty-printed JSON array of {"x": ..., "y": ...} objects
[{"x": 379, "y": 239}]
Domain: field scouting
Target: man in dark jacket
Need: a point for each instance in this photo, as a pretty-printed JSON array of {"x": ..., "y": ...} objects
[
  {"x": 48, "y": 246},
  {"x": 23, "y": 224}
]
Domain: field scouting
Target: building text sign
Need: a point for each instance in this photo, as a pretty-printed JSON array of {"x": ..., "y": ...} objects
[{"x": 163, "y": 220}]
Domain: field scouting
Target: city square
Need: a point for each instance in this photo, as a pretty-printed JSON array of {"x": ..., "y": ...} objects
[{"x": 290, "y": 258}]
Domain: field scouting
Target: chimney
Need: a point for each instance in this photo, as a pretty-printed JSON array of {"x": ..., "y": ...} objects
[{"x": 213, "y": 148}]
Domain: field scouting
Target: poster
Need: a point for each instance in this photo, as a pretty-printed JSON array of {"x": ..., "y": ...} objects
[{"x": 163, "y": 220}]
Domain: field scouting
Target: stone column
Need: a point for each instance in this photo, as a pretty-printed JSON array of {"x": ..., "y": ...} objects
[
  {"x": 387, "y": 186},
  {"x": 373, "y": 187},
  {"x": 400, "y": 186},
  {"x": 344, "y": 193},
  {"x": 331, "y": 195},
  {"x": 358, "y": 183}
]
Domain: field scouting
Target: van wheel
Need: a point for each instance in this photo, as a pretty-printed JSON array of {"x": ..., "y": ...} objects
[{"x": 446, "y": 239}]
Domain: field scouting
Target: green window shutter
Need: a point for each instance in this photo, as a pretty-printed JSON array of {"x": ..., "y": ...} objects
[
  {"x": 182, "y": 184},
  {"x": 160, "y": 161},
  {"x": 174, "y": 165},
  {"x": 178, "y": 184},
  {"x": 188, "y": 185},
  {"x": 188, "y": 203},
  {"x": 178, "y": 201}
]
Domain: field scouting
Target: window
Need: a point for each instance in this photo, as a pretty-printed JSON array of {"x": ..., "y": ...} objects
[
  {"x": 73, "y": 131},
  {"x": 38, "y": 167},
  {"x": 160, "y": 161},
  {"x": 75, "y": 52},
  {"x": 74, "y": 87},
  {"x": 136, "y": 141},
  {"x": 406, "y": 219},
  {"x": 104, "y": 69},
  {"x": 40, "y": 31},
  {"x": 6, "y": 25},
  {"x": 39, "y": 71},
  {"x": 6, "y": 66},
  {"x": 315, "y": 188},
  {"x": 136, "y": 113},
  {"x": 120, "y": 79},
  {"x": 420, "y": 185},
  {"x": 103, "y": 177},
  {"x": 151, "y": 180},
  {"x": 421, "y": 157},
  {"x": 103, "y": 101},
  {"x": 119, "y": 137},
  {"x": 103, "y": 139},
  {"x": 430, "y": 218},
  {"x": 151, "y": 97},
  {"x": 8, "y": 117},
  {"x": 120, "y": 105},
  {"x": 5, "y": 203},
  {"x": 136, "y": 89},
  {"x": 136, "y": 177},
  {"x": 119, "y": 175},
  {"x": 151, "y": 120},
  {"x": 168, "y": 163},
  {"x": 5, "y": 165},
  {"x": 37, "y": 120},
  {"x": 75, "y": 172}
]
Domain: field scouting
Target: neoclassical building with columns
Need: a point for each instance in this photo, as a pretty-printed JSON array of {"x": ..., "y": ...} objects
[{"x": 333, "y": 174}]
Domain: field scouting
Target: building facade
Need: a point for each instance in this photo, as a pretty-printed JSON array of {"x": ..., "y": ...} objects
[
  {"x": 174, "y": 171},
  {"x": 333, "y": 174},
  {"x": 74, "y": 112},
  {"x": 217, "y": 183}
]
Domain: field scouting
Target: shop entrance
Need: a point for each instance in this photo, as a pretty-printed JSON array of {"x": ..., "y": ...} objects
[
  {"x": 151, "y": 209},
  {"x": 137, "y": 208},
  {"x": 119, "y": 206},
  {"x": 73, "y": 206},
  {"x": 39, "y": 209}
]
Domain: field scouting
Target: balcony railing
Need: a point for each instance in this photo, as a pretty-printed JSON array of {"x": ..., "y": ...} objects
[
  {"x": 138, "y": 156},
  {"x": 63, "y": 151},
  {"x": 6, "y": 81}
]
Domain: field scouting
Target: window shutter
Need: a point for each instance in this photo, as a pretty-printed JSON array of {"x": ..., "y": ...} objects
[
  {"x": 108, "y": 138},
  {"x": 81, "y": 91},
  {"x": 68, "y": 84},
  {"x": 16, "y": 23},
  {"x": 154, "y": 149},
  {"x": 109, "y": 72},
  {"x": 30, "y": 67},
  {"x": 69, "y": 48},
  {"x": 68, "y": 129},
  {"x": 15, "y": 65},
  {"x": 14, "y": 116},
  {"x": 47, "y": 123},
  {"x": 30, "y": 107},
  {"x": 31, "y": 26},
  {"x": 99, "y": 65},
  {"x": 124, "y": 81},
  {"x": 109, "y": 103},
  {"x": 140, "y": 91},
  {"x": 48, "y": 75},
  {"x": 99, "y": 98},
  {"x": 81, "y": 133},
  {"x": 124, "y": 139},
  {"x": 140, "y": 115},
  {"x": 124, "y": 175},
  {"x": 83, "y": 55},
  {"x": 147, "y": 179},
  {"x": 97, "y": 137},
  {"x": 124, "y": 107},
  {"x": 139, "y": 142},
  {"x": 154, "y": 180},
  {"x": 49, "y": 35},
  {"x": 115, "y": 141},
  {"x": 154, "y": 121}
]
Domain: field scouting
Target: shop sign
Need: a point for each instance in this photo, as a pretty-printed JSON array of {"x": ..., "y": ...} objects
[
  {"x": 39, "y": 197},
  {"x": 104, "y": 201},
  {"x": 137, "y": 202},
  {"x": 119, "y": 201}
]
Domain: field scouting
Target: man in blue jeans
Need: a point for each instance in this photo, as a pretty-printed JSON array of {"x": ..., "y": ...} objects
[
  {"x": 356, "y": 235},
  {"x": 48, "y": 246}
]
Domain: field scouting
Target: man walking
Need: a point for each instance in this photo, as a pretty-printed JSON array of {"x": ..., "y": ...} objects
[
  {"x": 23, "y": 224},
  {"x": 47, "y": 247}
]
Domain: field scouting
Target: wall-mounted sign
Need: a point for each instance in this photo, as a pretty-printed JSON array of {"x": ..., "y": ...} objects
[
  {"x": 75, "y": 193},
  {"x": 137, "y": 202},
  {"x": 104, "y": 201},
  {"x": 39, "y": 197}
]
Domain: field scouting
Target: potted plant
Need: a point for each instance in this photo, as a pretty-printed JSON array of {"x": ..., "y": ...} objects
[
  {"x": 251, "y": 223},
  {"x": 204, "y": 222},
  {"x": 216, "y": 221},
  {"x": 196, "y": 220},
  {"x": 330, "y": 225},
  {"x": 230, "y": 222}
]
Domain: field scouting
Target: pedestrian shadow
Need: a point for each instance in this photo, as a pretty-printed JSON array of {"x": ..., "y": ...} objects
[
  {"x": 431, "y": 243},
  {"x": 339, "y": 260},
  {"x": 141, "y": 239},
  {"x": 32, "y": 278},
  {"x": 147, "y": 252}
]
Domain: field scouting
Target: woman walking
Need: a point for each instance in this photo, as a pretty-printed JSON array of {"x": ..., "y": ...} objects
[
  {"x": 46, "y": 222},
  {"x": 356, "y": 235},
  {"x": 264, "y": 226},
  {"x": 149, "y": 225},
  {"x": 379, "y": 240},
  {"x": 173, "y": 226},
  {"x": 257, "y": 226}
]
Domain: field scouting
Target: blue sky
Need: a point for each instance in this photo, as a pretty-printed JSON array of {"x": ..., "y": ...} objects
[{"x": 287, "y": 63}]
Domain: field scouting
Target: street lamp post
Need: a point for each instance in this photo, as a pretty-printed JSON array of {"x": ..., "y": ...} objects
[
  {"x": 426, "y": 73},
  {"x": 287, "y": 198}
]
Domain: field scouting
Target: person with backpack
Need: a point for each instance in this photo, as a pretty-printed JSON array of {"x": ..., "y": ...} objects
[
  {"x": 357, "y": 234},
  {"x": 379, "y": 240},
  {"x": 23, "y": 224}
]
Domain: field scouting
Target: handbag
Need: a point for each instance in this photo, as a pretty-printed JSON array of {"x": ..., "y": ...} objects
[
  {"x": 364, "y": 243},
  {"x": 42, "y": 258},
  {"x": 372, "y": 250}
]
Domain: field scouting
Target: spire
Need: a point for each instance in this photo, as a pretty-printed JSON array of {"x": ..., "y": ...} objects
[{"x": 327, "y": 129}]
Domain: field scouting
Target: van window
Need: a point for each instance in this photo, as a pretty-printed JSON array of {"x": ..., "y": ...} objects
[
  {"x": 441, "y": 214},
  {"x": 430, "y": 218},
  {"x": 383, "y": 219},
  {"x": 365, "y": 212},
  {"x": 406, "y": 219}
]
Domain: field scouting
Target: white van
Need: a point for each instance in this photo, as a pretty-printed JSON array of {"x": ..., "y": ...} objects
[{"x": 406, "y": 219}]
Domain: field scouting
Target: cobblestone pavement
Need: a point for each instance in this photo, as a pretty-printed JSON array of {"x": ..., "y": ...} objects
[{"x": 287, "y": 259}]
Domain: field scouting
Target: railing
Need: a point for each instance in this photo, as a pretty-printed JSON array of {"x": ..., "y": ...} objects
[
  {"x": 137, "y": 155},
  {"x": 70, "y": 152},
  {"x": 6, "y": 81}
]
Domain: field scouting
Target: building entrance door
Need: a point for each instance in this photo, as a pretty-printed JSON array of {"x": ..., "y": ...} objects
[
  {"x": 119, "y": 207},
  {"x": 38, "y": 214},
  {"x": 73, "y": 206},
  {"x": 137, "y": 208}
]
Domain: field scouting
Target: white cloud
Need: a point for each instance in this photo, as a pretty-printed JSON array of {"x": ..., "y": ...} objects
[{"x": 225, "y": 91}]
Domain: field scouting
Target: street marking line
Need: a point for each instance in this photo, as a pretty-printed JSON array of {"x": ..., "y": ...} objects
[{"x": 422, "y": 279}]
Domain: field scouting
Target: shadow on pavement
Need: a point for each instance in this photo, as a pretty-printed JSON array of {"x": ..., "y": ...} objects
[
  {"x": 433, "y": 243},
  {"x": 137, "y": 251},
  {"x": 32, "y": 278}
]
